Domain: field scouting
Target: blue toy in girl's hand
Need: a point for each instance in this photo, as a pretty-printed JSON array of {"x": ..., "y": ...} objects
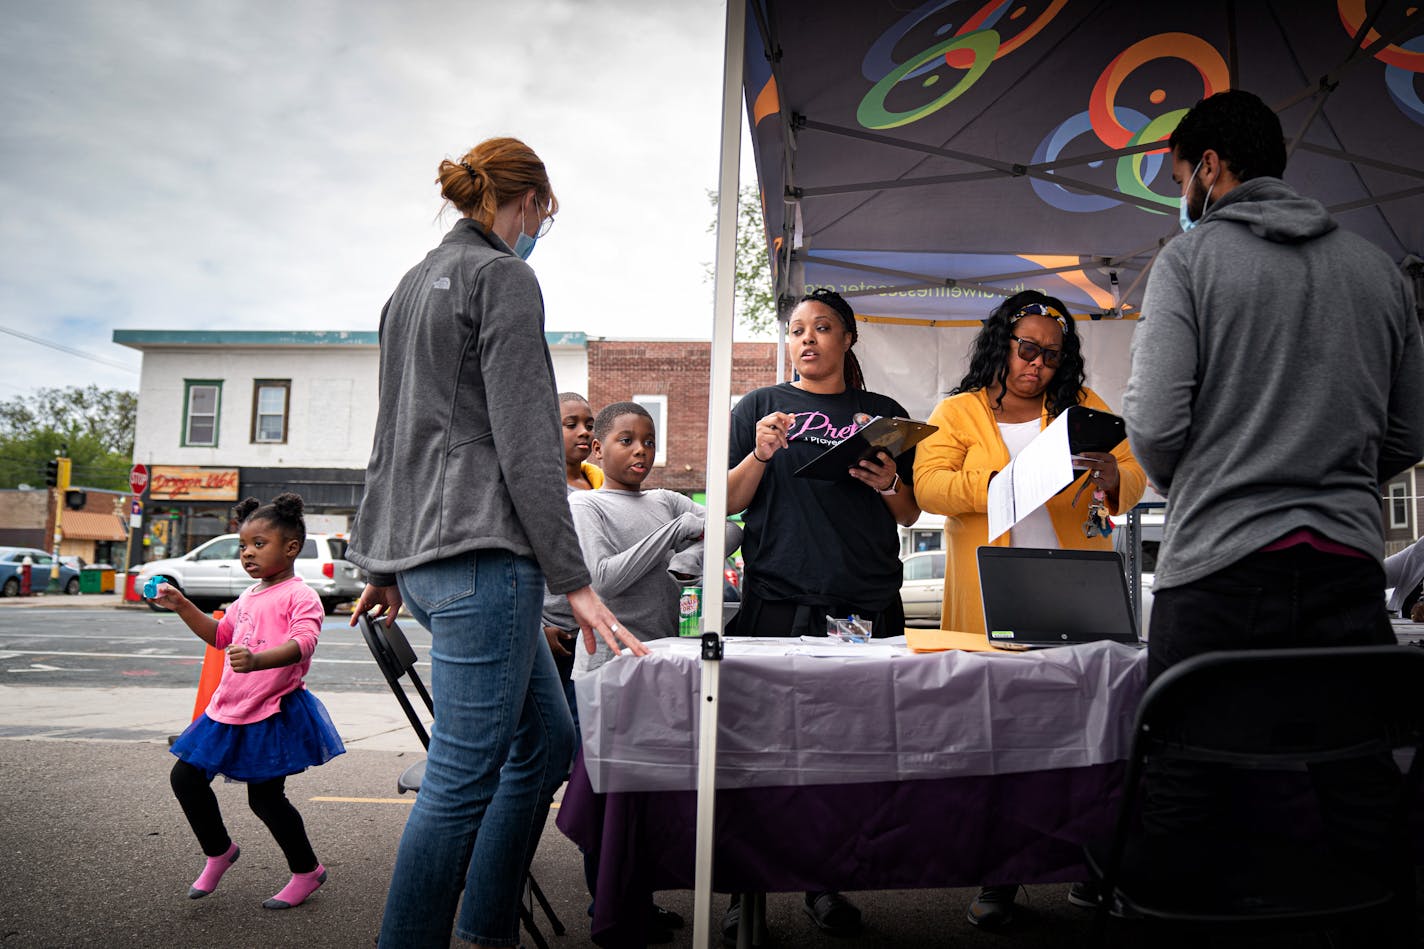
[{"x": 150, "y": 588}]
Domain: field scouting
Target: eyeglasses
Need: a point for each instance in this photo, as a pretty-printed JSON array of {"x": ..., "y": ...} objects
[
  {"x": 1029, "y": 351},
  {"x": 545, "y": 226}
]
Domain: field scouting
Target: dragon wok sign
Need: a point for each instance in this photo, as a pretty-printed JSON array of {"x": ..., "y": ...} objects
[{"x": 193, "y": 484}]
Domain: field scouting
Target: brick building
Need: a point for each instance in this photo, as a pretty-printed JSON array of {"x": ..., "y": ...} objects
[{"x": 670, "y": 378}]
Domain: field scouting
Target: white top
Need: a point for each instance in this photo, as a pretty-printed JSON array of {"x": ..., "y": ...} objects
[{"x": 1036, "y": 530}]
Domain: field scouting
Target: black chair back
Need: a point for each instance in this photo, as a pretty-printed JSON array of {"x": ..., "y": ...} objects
[
  {"x": 1285, "y": 706},
  {"x": 396, "y": 659},
  {"x": 1268, "y": 710}
]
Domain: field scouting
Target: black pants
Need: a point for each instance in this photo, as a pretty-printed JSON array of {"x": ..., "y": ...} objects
[
  {"x": 1293, "y": 598},
  {"x": 760, "y": 617},
  {"x": 268, "y": 800}
]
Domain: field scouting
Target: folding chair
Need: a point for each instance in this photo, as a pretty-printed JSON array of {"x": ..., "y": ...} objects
[
  {"x": 396, "y": 659},
  {"x": 1269, "y": 711}
]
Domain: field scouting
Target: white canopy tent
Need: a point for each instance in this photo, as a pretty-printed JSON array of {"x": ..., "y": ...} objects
[{"x": 928, "y": 162}]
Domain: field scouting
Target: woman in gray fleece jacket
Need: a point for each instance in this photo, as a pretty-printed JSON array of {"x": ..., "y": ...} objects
[{"x": 464, "y": 519}]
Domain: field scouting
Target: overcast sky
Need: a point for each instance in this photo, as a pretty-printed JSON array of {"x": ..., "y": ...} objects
[{"x": 270, "y": 165}]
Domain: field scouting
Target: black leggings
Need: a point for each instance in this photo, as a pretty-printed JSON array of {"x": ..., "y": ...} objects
[{"x": 268, "y": 800}]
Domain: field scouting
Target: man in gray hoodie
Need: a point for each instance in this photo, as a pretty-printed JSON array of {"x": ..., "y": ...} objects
[{"x": 1277, "y": 381}]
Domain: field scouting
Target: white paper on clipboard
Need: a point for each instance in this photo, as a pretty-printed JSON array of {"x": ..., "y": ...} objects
[{"x": 1040, "y": 471}]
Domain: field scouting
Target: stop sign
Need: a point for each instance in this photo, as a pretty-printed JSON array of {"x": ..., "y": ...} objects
[{"x": 138, "y": 478}]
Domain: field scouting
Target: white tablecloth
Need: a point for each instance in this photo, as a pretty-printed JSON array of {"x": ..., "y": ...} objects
[{"x": 802, "y": 719}]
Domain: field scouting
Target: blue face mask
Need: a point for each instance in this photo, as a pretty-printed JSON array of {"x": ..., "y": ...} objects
[
  {"x": 1183, "y": 218},
  {"x": 524, "y": 245}
]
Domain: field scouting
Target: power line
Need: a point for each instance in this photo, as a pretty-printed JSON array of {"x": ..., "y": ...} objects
[{"x": 66, "y": 349}]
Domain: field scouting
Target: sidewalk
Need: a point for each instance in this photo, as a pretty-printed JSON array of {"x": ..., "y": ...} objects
[
  {"x": 59, "y": 600},
  {"x": 365, "y": 720}
]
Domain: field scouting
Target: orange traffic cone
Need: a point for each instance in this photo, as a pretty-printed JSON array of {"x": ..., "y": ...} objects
[{"x": 208, "y": 679}]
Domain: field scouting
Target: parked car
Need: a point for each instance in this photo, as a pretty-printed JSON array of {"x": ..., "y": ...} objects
[
  {"x": 12, "y": 559},
  {"x": 211, "y": 574},
  {"x": 922, "y": 591}
]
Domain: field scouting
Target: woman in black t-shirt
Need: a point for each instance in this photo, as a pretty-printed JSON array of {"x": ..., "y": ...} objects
[{"x": 816, "y": 548}]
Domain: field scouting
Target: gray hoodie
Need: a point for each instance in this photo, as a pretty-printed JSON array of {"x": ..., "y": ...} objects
[
  {"x": 468, "y": 453},
  {"x": 1277, "y": 380}
]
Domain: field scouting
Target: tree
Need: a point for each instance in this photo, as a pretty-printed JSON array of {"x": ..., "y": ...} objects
[
  {"x": 97, "y": 426},
  {"x": 754, "y": 298}
]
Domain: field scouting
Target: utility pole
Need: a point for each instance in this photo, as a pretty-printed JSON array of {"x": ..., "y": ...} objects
[{"x": 57, "y": 473}]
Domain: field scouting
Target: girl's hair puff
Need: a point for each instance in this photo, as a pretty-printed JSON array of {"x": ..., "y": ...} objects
[
  {"x": 491, "y": 173},
  {"x": 284, "y": 512}
]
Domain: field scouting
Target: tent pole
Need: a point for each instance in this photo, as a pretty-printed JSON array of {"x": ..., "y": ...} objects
[{"x": 719, "y": 403}]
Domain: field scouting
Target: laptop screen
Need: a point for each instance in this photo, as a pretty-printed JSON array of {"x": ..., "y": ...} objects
[{"x": 1053, "y": 597}]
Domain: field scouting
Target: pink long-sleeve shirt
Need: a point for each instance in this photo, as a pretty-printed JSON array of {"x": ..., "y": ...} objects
[{"x": 261, "y": 619}]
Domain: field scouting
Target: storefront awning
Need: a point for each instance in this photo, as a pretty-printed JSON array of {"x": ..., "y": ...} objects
[{"x": 91, "y": 525}]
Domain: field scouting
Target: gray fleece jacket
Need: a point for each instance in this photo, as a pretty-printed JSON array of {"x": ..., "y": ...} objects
[
  {"x": 1277, "y": 380},
  {"x": 468, "y": 453}
]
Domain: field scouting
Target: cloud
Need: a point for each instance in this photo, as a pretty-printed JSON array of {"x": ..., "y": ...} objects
[{"x": 271, "y": 165}]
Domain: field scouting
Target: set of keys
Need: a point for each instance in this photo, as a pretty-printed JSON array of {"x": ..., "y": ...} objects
[{"x": 1098, "y": 524}]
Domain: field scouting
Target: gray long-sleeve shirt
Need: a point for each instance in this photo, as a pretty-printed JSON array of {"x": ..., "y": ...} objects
[
  {"x": 629, "y": 540},
  {"x": 468, "y": 453},
  {"x": 1277, "y": 380}
]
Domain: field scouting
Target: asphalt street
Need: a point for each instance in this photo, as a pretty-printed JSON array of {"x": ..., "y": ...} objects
[
  {"x": 83, "y": 645},
  {"x": 96, "y": 852}
]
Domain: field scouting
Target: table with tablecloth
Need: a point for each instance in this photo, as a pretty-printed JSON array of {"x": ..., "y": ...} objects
[{"x": 848, "y": 768}]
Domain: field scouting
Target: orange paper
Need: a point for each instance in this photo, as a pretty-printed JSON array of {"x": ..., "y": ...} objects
[{"x": 939, "y": 640}]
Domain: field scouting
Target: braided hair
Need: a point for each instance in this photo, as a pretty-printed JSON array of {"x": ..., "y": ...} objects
[
  {"x": 854, "y": 378},
  {"x": 989, "y": 357},
  {"x": 284, "y": 512}
]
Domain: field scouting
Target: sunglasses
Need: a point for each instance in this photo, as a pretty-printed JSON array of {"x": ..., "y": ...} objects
[{"x": 1029, "y": 351}]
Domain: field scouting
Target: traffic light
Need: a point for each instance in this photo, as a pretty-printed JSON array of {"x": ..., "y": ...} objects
[
  {"x": 75, "y": 500},
  {"x": 52, "y": 472}
]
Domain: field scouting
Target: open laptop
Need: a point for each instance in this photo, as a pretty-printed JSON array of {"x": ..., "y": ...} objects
[{"x": 1035, "y": 598}]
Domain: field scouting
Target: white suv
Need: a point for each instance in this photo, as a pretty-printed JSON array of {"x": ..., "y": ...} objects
[
  {"x": 922, "y": 592},
  {"x": 211, "y": 574}
]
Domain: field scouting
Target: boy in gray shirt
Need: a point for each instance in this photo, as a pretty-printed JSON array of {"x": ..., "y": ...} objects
[{"x": 634, "y": 540}]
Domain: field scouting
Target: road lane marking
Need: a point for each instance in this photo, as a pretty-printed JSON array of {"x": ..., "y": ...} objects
[
  {"x": 363, "y": 800},
  {"x": 325, "y": 644},
  {"x": 382, "y": 800},
  {"x": 187, "y": 658}
]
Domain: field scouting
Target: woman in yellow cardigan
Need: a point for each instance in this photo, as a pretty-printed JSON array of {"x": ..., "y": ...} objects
[{"x": 1026, "y": 367}]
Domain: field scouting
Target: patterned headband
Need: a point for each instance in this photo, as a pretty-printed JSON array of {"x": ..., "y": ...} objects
[{"x": 1039, "y": 309}]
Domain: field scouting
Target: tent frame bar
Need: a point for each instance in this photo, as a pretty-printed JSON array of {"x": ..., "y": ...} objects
[{"x": 719, "y": 401}]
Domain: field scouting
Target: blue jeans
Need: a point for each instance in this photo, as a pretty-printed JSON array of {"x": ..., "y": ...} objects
[{"x": 499, "y": 749}]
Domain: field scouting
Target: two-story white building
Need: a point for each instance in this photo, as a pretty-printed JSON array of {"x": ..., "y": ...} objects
[{"x": 224, "y": 415}]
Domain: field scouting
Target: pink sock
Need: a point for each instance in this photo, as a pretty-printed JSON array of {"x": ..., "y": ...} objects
[
  {"x": 298, "y": 889},
  {"x": 207, "y": 881}
]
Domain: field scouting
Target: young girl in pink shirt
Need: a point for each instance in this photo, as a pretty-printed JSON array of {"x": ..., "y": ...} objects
[{"x": 262, "y": 724}]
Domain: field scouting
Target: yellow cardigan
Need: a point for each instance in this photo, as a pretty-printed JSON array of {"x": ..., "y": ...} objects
[
  {"x": 952, "y": 470},
  {"x": 592, "y": 472}
]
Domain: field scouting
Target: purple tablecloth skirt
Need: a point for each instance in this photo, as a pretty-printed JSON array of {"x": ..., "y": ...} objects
[{"x": 1013, "y": 828}]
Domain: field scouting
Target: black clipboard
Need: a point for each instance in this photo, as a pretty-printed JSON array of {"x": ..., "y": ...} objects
[
  {"x": 883, "y": 433},
  {"x": 1094, "y": 430}
]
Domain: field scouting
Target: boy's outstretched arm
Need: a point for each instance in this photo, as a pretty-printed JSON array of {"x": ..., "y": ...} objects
[
  {"x": 199, "y": 622},
  {"x": 615, "y": 570}
]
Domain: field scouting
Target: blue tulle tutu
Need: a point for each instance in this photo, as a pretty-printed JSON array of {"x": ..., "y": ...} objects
[{"x": 298, "y": 737}]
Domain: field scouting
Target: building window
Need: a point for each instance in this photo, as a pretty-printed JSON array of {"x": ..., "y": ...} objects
[
  {"x": 657, "y": 408},
  {"x": 202, "y": 398},
  {"x": 270, "y": 399},
  {"x": 1399, "y": 504}
]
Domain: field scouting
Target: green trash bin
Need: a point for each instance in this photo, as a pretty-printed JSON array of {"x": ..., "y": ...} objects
[{"x": 91, "y": 580}]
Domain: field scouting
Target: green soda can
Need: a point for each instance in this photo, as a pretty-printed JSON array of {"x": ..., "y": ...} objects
[{"x": 689, "y": 612}]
